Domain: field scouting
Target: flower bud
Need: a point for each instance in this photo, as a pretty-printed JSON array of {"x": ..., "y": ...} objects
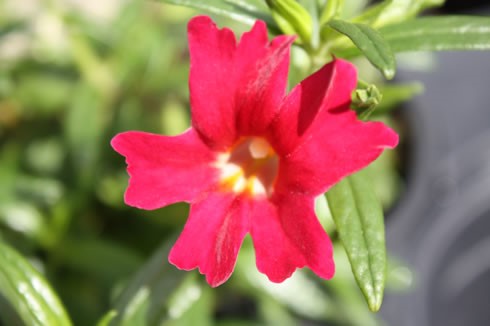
[{"x": 292, "y": 19}]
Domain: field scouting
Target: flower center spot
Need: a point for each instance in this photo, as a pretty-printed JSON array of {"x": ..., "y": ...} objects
[{"x": 249, "y": 167}]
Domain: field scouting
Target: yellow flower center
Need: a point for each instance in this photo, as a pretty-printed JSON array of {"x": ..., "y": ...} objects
[{"x": 250, "y": 167}]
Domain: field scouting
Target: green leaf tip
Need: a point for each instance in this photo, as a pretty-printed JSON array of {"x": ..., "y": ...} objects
[
  {"x": 358, "y": 216},
  {"x": 370, "y": 43}
]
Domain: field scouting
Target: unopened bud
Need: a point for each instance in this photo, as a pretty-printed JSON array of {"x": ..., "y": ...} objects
[{"x": 292, "y": 18}]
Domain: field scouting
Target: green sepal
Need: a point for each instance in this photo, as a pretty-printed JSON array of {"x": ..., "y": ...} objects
[{"x": 365, "y": 100}]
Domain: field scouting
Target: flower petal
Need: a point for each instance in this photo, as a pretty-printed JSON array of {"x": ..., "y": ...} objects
[
  {"x": 164, "y": 170},
  {"x": 235, "y": 85},
  {"x": 212, "y": 237},
  {"x": 325, "y": 90},
  {"x": 340, "y": 145},
  {"x": 287, "y": 235},
  {"x": 211, "y": 81},
  {"x": 263, "y": 69},
  {"x": 319, "y": 138}
]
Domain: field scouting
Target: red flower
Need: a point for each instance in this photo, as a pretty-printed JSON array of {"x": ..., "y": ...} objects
[{"x": 254, "y": 158}]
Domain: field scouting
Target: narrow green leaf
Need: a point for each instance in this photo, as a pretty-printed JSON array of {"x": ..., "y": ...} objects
[
  {"x": 84, "y": 121},
  {"x": 394, "y": 11},
  {"x": 345, "y": 291},
  {"x": 359, "y": 219},
  {"x": 28, "y": 292},
  {"x": 371, "y": 44},
  {"x": 272, "y": 312},
  {"x": 241, "y": 11},
  {"x": 371, "y": 15},
  {"x": 107, "y": 318},
  {"x": 333, "y": 9},
  {"x": 439, "y": 33},
  {"x": 190, "y": 304},
  {"x": 144, "y": 300},
  {"x": 312, "y": 302}
]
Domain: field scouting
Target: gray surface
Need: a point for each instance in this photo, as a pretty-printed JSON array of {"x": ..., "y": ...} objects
[{"x": 444, "y": 216}]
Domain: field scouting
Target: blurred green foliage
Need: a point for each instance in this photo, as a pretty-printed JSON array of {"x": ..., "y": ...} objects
[{"x": 72, "y": 75}]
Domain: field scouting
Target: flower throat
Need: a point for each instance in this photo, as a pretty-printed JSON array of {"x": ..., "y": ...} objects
[{"x": 250, "y": 167}]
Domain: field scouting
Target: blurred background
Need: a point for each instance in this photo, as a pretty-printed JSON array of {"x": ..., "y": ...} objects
[
  {"x": 441, "y": 225},
  {"x": 73, "y": 73}
]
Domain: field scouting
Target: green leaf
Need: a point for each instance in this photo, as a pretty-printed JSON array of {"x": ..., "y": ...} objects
[
  {"x": 350, "y": 303},
  {"x": 371, "y": 44},
  {"x": 241, "y": 11},
  {"x": 107, "y": 318},
  {"x": 394, "y": 11},
  {"x": 373, "y": 13},
  {"x": 333, "y": 9},
  {"x": 191, "y": 304},
  {"x": 439, "y": 33},
  {"x": 84, "y": 122},
  {"x": 359, "y": 219},
  {"x": 299, "y": 293},
  {"x": 274, "y": 313},
  {"x": 28, "y": 292},
  {"x": 144, "y": 300}
]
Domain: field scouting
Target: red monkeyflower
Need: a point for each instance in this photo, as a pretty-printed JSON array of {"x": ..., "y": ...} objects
[{"x": 254, "y": 158}]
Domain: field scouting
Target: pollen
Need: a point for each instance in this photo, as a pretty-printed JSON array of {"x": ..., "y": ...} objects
[{"x": 250, "y": 167}]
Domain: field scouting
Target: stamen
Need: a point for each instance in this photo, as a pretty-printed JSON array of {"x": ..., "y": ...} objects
[
  {"x": 230, "y": 171},
  {"x": 240, "y": 184},
  {"x": 255, "y": 187}
]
